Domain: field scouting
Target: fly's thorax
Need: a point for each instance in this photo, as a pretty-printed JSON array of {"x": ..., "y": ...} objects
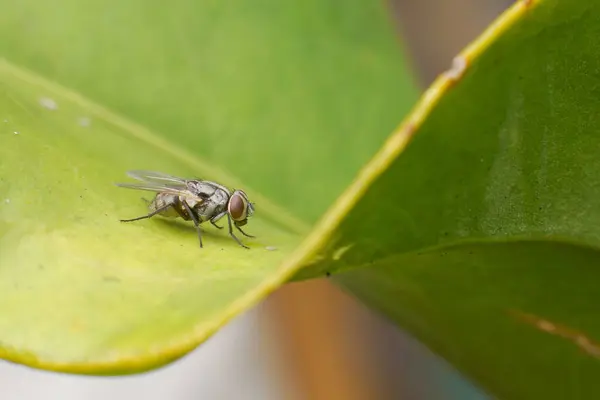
[
  {"x": 209, "y": 189},
  {"x": 209, "y": 208},
  {"x": 214, "y": 195}
]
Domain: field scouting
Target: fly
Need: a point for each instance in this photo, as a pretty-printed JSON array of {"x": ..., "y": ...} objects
[{"x": 193, "y": 199}]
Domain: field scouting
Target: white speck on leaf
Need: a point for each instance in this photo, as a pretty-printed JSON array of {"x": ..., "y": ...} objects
[
  {"x": 458, "y": 68},
  {"x": 48, "y": 103},
  {"x": 340, "y": 252},
  {"x": 7, "y": 201},
  {"x": 16, "y": 132},
  {"x": 84, "y": 121},
  {"x": 271, "y": 248}
]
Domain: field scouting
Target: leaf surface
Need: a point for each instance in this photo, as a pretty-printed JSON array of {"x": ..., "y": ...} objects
[
  {"x": 285, "y": 100},
  {"x": 84, "y": 292},
  {"x": 290, "y": 98},
  {"x": 477, "y": 226}
]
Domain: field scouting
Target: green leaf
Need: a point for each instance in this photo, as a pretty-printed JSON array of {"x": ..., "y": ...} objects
[
  {"x": 285, "y": 100},
  {"x": 290, "y": 98},
  {"x": 83, "y": 292},
  {"x": 477, "y": 226}
]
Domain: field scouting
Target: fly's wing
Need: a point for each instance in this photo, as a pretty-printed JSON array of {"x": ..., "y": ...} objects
[
  {"x": 158, "y": 178},
  {"x": 152, "y": 187},
  {"x": 160, "y": 183}
]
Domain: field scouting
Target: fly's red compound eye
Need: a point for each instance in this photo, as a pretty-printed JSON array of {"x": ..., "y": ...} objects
[{"x": 237, "y": 207}]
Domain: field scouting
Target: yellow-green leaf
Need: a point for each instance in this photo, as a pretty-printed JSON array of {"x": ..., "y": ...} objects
[
  {"x": 81, "y": 291},
  {"x": 285, "y": 100}
]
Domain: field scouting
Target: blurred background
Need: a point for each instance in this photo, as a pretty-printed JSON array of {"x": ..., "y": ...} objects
[{"x": 308, "y": 340}]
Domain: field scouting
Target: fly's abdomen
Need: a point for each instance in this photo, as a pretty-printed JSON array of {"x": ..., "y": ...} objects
[{"x": 163, "y": 200}]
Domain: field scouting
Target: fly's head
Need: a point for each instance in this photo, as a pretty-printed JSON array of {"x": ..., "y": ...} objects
[{"x": 240, "y": 208}]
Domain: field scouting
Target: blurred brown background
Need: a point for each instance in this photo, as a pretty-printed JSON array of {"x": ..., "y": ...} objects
[{"x": 337, "y": 349}]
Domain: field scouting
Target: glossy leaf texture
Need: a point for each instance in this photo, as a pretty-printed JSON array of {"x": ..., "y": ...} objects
[
  {"x": 285, "y": 100},
  {"x": 477, "y": 226},
  {"x": 84, "y": 292}
]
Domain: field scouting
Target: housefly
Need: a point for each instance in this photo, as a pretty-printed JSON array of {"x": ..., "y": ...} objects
[{"x": 193, "y": 199}]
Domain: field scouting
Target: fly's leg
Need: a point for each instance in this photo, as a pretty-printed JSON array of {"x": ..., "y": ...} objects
[
  {"x": 195, "y": 219},
  {"x": 244, "y": 233},
  {"x": 214, "y": 219},
  {"x": 158, "y": 210},
  {"x": 231, "y": 233}
]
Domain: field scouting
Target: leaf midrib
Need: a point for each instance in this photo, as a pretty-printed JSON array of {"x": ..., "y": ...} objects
[{"x": 322, "y": 268}]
